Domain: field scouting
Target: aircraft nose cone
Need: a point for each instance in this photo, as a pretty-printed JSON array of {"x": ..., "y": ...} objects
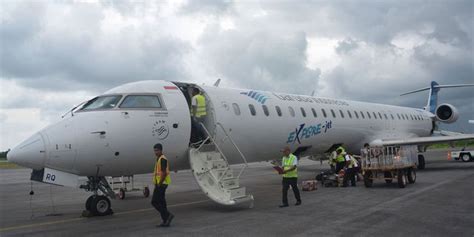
[{"x": 30, "y": 153}]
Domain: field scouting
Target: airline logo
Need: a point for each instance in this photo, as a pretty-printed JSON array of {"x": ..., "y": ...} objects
[
  {"x": 306, "y": 132},
  {"x": 259, "y": 97}
]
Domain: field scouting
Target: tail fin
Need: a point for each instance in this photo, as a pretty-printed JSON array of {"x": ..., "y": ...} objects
[{"x": 433, "y": 96}]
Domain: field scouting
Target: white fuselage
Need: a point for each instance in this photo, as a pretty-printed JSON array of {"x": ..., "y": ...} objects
[{"x": 119, "y": 141}]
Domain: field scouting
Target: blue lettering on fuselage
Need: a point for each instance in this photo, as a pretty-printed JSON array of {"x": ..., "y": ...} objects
[{"x": 306, "y": 132}]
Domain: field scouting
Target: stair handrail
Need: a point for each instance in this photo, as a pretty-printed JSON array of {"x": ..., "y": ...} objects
[
  {"x": 236, "y": 147},
  {"x": 218, "y": 148}
]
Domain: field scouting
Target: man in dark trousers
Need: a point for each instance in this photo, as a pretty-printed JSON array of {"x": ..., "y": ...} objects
[
  {"x": 290, "y": 176},
  {"x": 161, "y": 179}
]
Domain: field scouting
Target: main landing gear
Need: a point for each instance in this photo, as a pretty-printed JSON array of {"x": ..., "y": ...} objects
[{"x": 98, "y": 205}]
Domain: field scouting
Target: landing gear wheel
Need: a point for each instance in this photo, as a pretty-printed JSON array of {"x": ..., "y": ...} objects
[
  {"x": 368, "y": 181},
  {"x": 146, "y": 192},
  {"x": 388, "y": 177},
  {"x": 402, "y": 179},
  {"x": 88, "y": 203},
  {"x": 465, "y": 157},
  {"x": 411, "y": 175},
  {"x": 421, "y": 162},
  {"x": 100, "y": 206},
  {"x": 121, "y": 194}
]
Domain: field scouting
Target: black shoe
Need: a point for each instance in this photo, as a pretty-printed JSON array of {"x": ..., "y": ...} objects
[
  {"x": 162, "y": 225},
  {"x": 298, "y": 203},
  {"x": 170, "y": 218},
  {"x": 283, "y": 205}
]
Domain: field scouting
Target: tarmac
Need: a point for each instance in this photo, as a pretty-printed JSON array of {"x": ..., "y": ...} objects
[{"x": 440, "y": 203}]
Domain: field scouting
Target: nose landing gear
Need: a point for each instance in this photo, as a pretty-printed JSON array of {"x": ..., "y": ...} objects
[{"x": 98, "y": 205}]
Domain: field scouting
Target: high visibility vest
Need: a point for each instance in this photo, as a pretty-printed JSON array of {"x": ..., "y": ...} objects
[
  {"x": 353, "y": 162},
  {"x": 287, "y": 163},
  {"x": 201, "y": 106},
  {"x": 158, "y": 172},
  {"x": 340, "y": 157}
]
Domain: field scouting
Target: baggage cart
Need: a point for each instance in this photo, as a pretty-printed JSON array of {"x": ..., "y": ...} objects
[{"x": 390, "y": 163}]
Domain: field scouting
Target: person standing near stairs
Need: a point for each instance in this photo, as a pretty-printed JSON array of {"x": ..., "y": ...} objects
[
  {"x": 161, "y": 179},
  {"x": 290, "y": 176},
  {"x": 199, "y": 112}
]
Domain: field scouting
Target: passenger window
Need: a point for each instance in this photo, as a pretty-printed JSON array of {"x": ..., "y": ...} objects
[
  {"x": 252, "y": 110},
  {"x": 362, "y": 115},
  {"x": 303, "y": 112},
  {"x": 333, "y": 114},
  {"x": 236, "y": 109},
  {"x": 398, "y": 115},
  {"x": 314, "y": 112},
  {"x": 324, "y": 113},
  {"x": 393, "y": 118},
  {"x": 342, "y": 114},
  {"x": 380, "y": 116},
  {"x": 292, "y": 111},
  {"x": 385, "y": 115},
  {"x": 411, "y": 116},
  {"x": 368, "y": 115},
  {"x": 349, "y": 113},
  {"x": 265, "y": 110},
  {"x": 277, "y": 108},
  {"x": 356, "y": 114},
  {"x": 375, "y": 115}
]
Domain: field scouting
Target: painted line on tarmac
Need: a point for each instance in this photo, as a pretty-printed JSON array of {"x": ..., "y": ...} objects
[{"x": 85, "y": 218}]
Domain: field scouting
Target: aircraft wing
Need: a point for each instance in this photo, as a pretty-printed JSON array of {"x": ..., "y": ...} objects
[{"x": 424, "y": 140}]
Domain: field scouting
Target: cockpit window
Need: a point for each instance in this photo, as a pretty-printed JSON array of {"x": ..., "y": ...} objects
[
  {"x": 102, "y": 102},
  {"x": 141, "y": 101}
]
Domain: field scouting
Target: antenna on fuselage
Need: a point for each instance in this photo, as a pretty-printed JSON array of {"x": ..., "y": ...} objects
[{"x": 216, "y": 84}]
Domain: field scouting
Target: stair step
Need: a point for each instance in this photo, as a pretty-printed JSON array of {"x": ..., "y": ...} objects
[
  {"x": 217, "y": 164},
  {"x": 210, "y": 156},
  {"x": 208, "y": 147},
  {"x": 236, "y": 193},
  {"x": 230, "y": 183},
  {"x": 228, "y": 174}
]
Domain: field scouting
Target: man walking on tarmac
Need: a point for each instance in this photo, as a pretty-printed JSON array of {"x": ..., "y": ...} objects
[
  {"x": 290, "y": 176},
  {"x": 161, "y": 179}
]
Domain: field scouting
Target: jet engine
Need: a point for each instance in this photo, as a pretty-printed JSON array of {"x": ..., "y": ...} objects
[{"x": 446, "y": 113}]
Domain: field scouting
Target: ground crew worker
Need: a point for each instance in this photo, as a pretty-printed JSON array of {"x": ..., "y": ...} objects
[
  {"x": 161, "y": 179},
  {"x": 340, "y": 160},
  {"x": 199, "y": 112},
  {"x": 290, "y": 177},
  {"x": 350, "y": 174}
]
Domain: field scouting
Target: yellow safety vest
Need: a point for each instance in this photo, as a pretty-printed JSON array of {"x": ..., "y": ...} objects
[
  {"x": 340, "y": 157},
  {"x": 287, "y": 163},
  {"x": 158, "y": 172},
  {"x": 201, "y": 106}
]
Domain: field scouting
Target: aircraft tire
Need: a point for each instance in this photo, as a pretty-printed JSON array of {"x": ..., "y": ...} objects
[
  {"x": 402, "y": 179},
  {"x": 368, "y": 181},
  {"x": 100, "y": 205},
  {"x": 89, "y": 202},
  {"x": 465, "y": 157},
  {"x": 421, "y": 162},
  {"x": 411, "y": 175},
  {"x": 388, "y": 174}
]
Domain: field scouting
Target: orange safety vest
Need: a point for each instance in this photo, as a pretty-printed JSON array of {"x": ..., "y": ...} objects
[{"x": 158, "y": 172}]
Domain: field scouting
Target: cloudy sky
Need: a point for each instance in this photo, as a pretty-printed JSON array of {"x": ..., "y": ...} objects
[{"x": 56, "y": 54}]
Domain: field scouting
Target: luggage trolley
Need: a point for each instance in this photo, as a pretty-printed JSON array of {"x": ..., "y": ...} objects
[
  {"x": 390, "y": 163},
  {"x": 123, "y": 181}
]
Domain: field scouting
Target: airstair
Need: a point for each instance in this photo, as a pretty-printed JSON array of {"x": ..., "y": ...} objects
[{"x": 214, "y": 175}]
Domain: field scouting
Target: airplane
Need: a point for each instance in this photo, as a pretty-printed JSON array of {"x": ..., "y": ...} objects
[{"x": 113, "y": 135}]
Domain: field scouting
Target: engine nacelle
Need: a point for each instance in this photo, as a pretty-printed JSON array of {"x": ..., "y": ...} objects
[{"x": 446, "y": 113}]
